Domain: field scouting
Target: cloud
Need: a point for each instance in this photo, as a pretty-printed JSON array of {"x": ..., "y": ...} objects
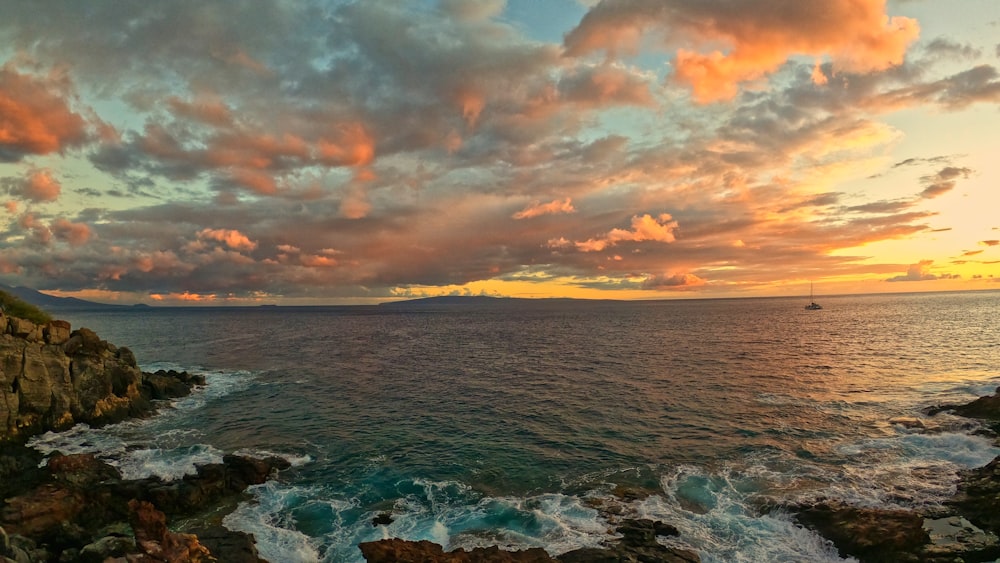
[
  {"x": 855, "y": 35},
  {"x": 644, "y": 228},
  {"x": 991, "y": 242},
  {"x": 943, "y": 181},
  {"x": 35, "y": 118},
  {"x": 921, "y": 271},
  {"x": 472, "y": 10},
  {"x": 231, "y": 238},
  {"x": 75, "y": 234},
  {"x": 447, "y": 144},
  {"x": 672, "y": 282},
  {"x": 39, "y": 187},
  {"x": 551, "y": 208}
]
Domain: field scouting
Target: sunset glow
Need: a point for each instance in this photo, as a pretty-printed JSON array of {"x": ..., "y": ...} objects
[{"x": 358, "y": 152}]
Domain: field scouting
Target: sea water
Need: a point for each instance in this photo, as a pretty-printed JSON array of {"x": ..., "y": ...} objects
[{"x": 519, "y": 424}]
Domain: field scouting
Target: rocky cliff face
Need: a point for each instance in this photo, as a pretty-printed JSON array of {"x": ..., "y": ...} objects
[{"x": 52, "y": 377}]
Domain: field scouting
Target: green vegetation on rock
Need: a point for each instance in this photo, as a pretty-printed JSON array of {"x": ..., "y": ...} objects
[{"x": 16, "y": 308}]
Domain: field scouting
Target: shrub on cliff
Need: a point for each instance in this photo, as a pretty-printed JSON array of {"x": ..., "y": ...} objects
[{"x": 17, "y": 308}]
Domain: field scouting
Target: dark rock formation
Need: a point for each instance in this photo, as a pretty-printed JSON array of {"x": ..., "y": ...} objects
[
  {"x": 637, "y": 544},
  {"x": 77, "y": 507},
  {"x": 868, "y": 534},
  {"x": 51, "y": 379},
  {"x": 978, "y": 497},
  {"x": 985, "y": 408},
  {"x": 396, "y": 550},
  {"x": 157, "y": 543},
  {"x": 80, "y": 498}
]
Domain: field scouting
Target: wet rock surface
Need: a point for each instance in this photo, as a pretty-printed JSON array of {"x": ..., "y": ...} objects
[
  {"x": 638, "y": 543},
  {"x": 966, "y": 529}
]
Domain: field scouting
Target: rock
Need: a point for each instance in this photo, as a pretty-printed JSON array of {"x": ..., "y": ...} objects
[
  {"x": 983, "y": 407},
  {"x": 42, "y": 512},
  {"x": 954, "y": 537},
  {"x": 229, "y": 546},
  {"x": 168, "y": 384},
  {"x": 55, "y": 381},
  {"x": 638, "y": 544},
  {"x": 19, "y": 470},
  {"x": 978, "y": 496},
  {"x": 20, "y": 328},
  {"x": 396, "y": 550},
  {"x": 17, "y": 549},
  {"x": 159, "y": 386},
  {"x": 80, "y": 469},
  {"x": 56, "y": 332},
  {"x": 383, "y": 519},
  {"x": 106, "y": 547},
  {"x": 154, "y": 539},
  {"x": 869, "y": 534},
  {"x": 987, "y": 408}
]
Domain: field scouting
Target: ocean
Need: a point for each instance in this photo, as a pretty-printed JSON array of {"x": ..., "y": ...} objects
[{"x": 520, "y": 424}]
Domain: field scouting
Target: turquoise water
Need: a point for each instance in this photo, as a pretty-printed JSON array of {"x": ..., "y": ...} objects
[{"x": 512, "y": 425}]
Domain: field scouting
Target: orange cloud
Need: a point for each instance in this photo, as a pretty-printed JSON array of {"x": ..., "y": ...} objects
[
  {"x": 229, "y": 237},
  {"x": 40, "y": 187},
  {"x": 605, "y": 85},
  {"x": 855, "y": 35},
  {"x": 351, "y": 145},
  {"x": 34, "y": 115},
  {"x": 186, "y": 296},
  {"x": 259, "y": 182},
  {"x": 75, "y": 234},
  {"x": 644, "y": 228},
  {"x": 208, "y": 110},
  {"x": 551, "y": 208},
  {"x": 317, "y": 261}
]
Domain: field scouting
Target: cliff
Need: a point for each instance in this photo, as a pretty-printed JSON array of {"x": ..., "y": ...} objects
[
  {"x": 52, "y": 377},
  {"x": 78, "y": 507}
]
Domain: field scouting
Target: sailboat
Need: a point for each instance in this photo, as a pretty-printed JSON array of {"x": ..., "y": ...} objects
[{"x": 812, "y": 306}]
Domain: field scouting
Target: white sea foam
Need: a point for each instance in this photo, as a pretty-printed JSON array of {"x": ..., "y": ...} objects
[
  {"x": 296, "y": 460},
  {"x": 270, "y": 522},
  {"x": 714, "y": 516},
  {"x": 908, "y": 469},
  {"x": 166, "y": 464},
  {"x": 161, "y": 445},
  {"x": 294, "y": 523}
]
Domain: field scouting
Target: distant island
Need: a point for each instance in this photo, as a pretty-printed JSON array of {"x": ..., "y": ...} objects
[
  {"x": 489, "y": 300},
  {"x": 46, "y": 301}
]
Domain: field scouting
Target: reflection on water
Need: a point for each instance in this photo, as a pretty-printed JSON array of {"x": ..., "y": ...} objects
[{"x": 470, "y": 422}]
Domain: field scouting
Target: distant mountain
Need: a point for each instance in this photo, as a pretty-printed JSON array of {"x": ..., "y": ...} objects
[
  {"x": 51, "y": 302},
  {"x": 451, "y": 300}
]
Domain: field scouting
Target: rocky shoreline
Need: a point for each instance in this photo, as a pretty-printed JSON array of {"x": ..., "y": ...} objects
[
  {"x": 77, "y": 507},
  {"x": 964, "y": 530}
]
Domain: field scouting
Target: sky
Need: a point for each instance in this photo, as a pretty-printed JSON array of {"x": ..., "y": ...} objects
[{"x": 340, "y": 152}]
